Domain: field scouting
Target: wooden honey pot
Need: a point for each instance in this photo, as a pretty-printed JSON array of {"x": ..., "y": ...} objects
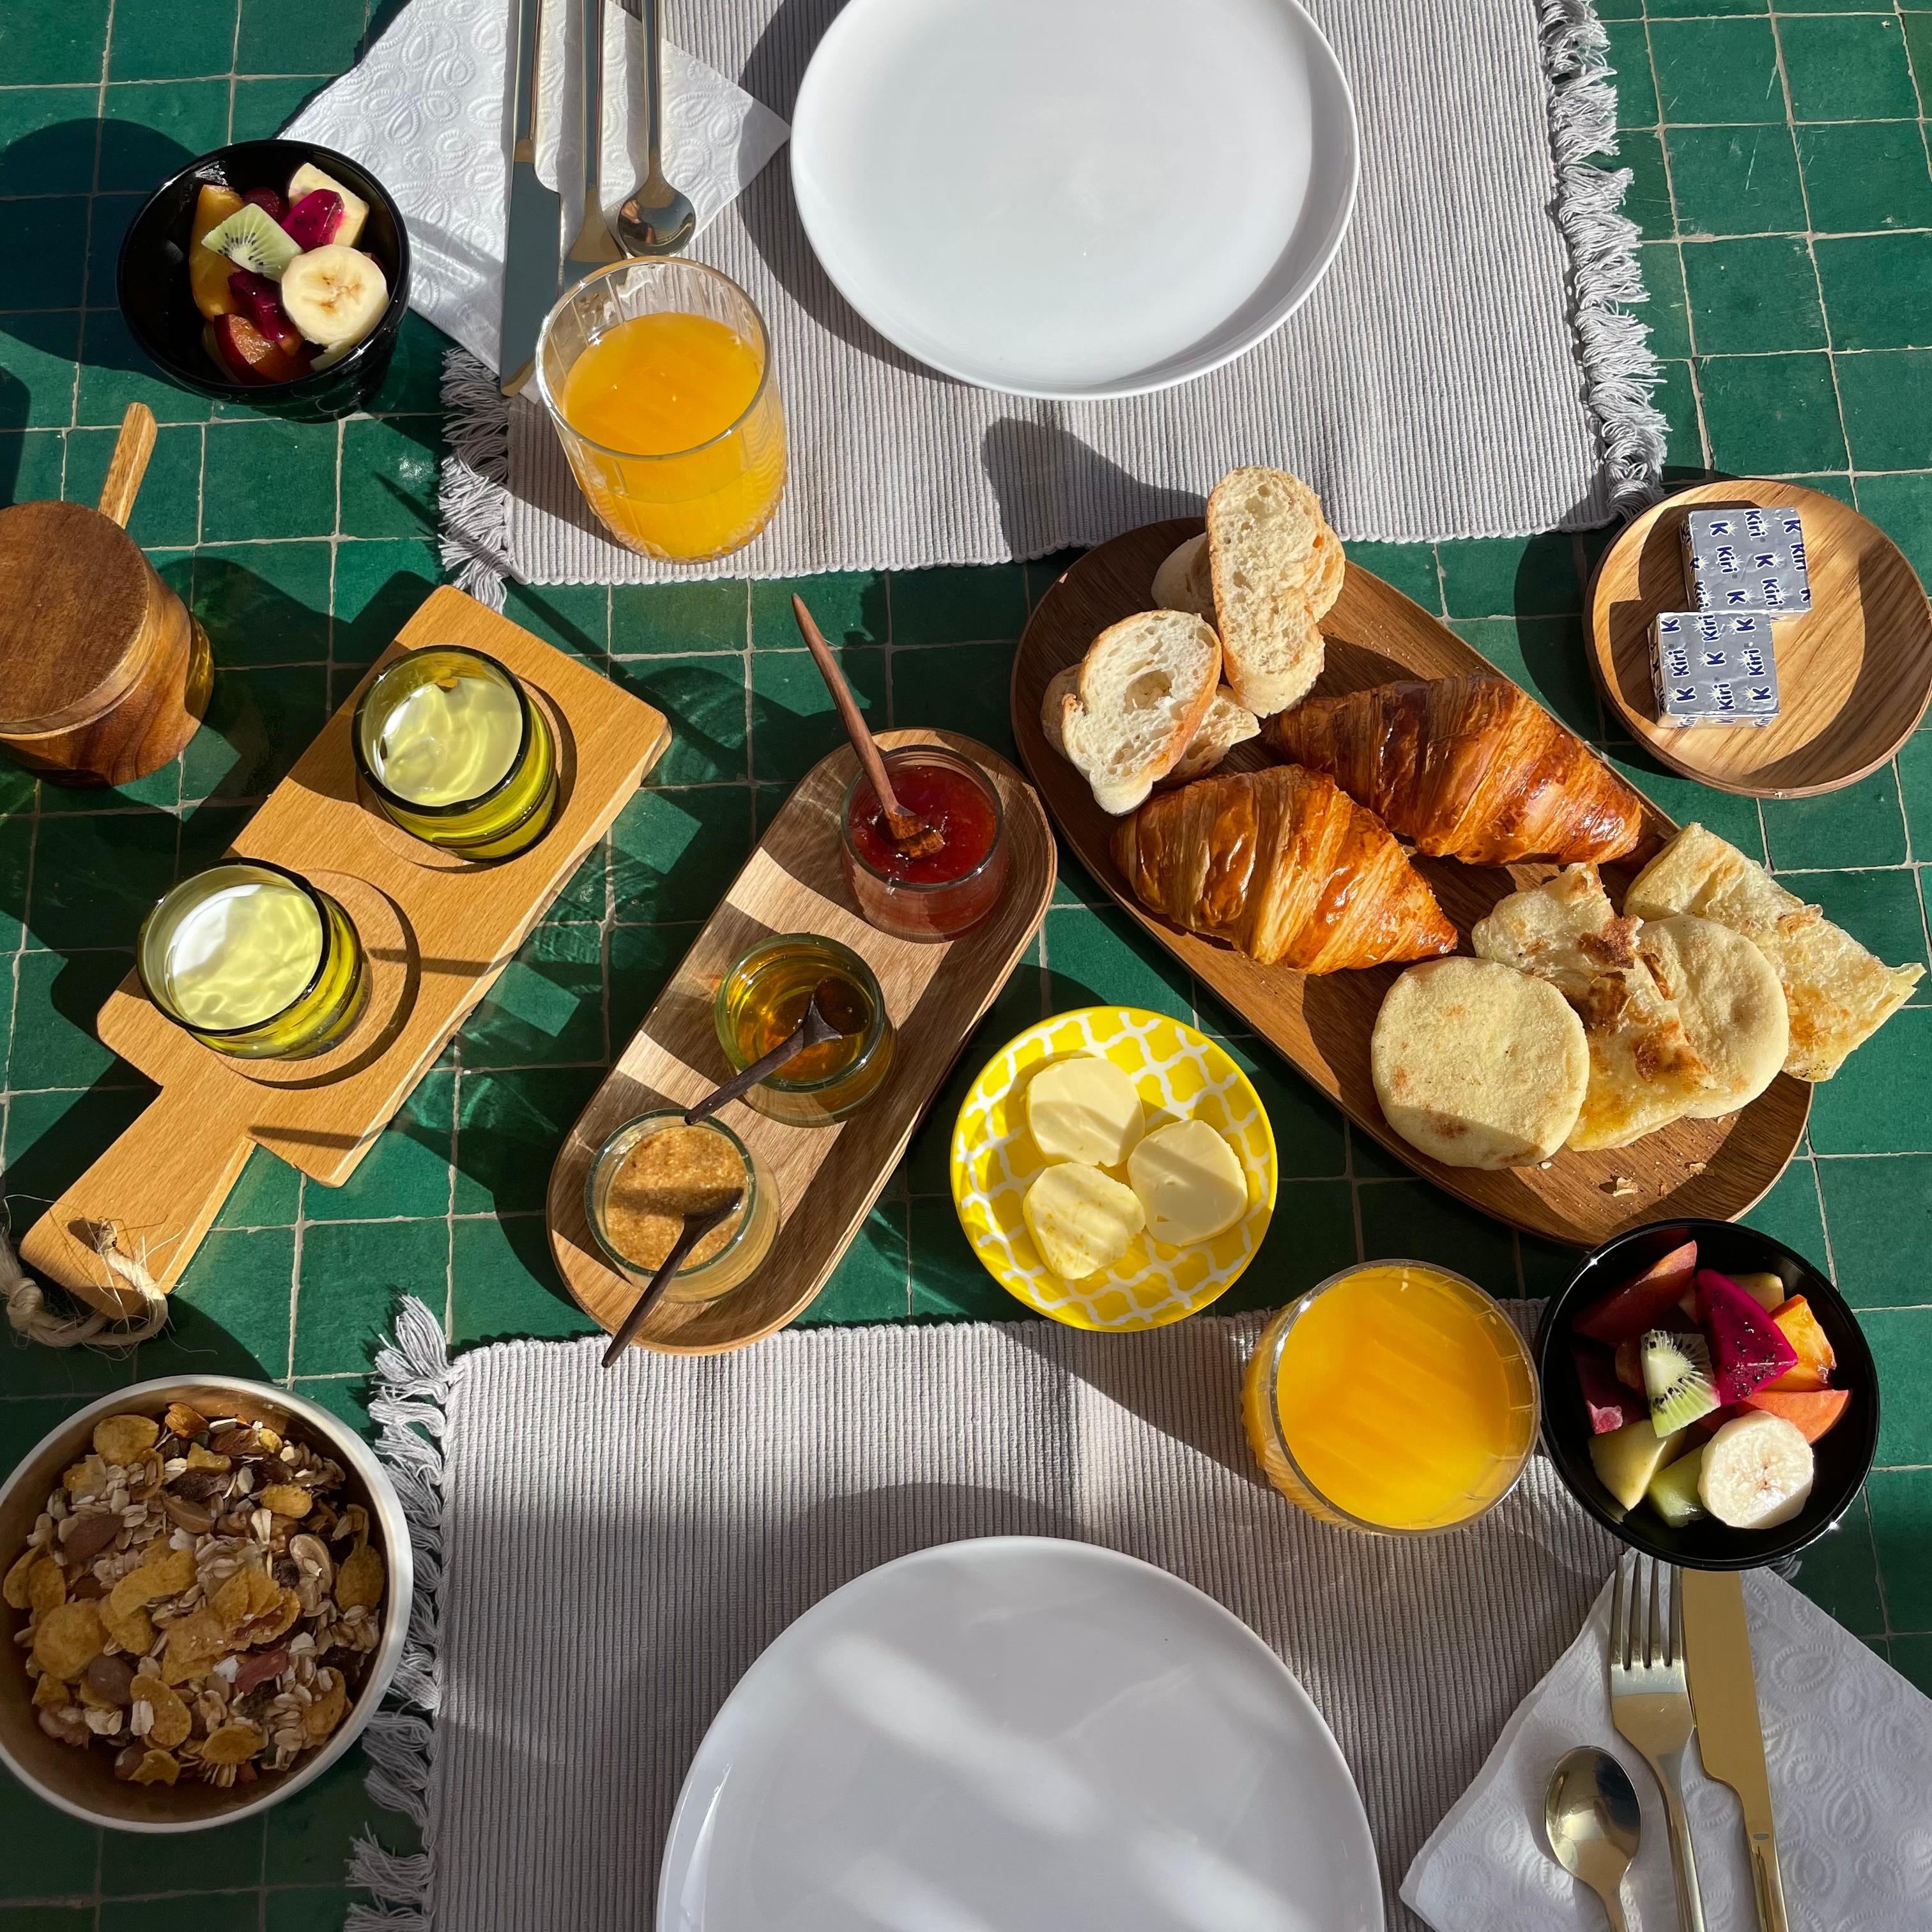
[{"x": 104, "y": 674}]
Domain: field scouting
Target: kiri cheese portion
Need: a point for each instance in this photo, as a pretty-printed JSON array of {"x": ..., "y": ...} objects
[
  {"x": 1189, "y": 1181},
  {"x": 1084, "y": 1109},
  {"x": 1081, "y": 1220}
]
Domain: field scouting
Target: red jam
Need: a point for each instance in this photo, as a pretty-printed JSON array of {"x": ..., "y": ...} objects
[{"x": 940, "y": 893}]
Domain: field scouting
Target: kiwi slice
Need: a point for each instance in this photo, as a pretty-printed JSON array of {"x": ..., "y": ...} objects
[
  {"x": 252, "y": 238},
  {"x": 1677, "y": 1379}
]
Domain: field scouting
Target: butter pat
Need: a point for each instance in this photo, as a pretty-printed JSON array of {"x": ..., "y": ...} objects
[
  {"x": 1083, "y": 1109},
  {"x": 1190, "y": 1183},
  {"x": 1081, "y": 1220}
]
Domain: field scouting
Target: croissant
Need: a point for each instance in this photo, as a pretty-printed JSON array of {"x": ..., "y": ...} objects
[
  {"x": 1470, "y": 768},
  {"x": 1281, "y": 864}
]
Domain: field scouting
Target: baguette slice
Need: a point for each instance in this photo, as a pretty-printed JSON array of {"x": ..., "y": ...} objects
[
  {"x": 1838, "y": 994},
  {"x": 1145, "y": 686},
  {"x": 1227, "y": 724},
  {"x": 1182, "y": 583},
  {"x": 1264, "y": 529}
]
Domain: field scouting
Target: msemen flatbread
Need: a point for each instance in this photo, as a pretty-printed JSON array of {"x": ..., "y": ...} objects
[
  {"x": 1837, "y": 994},
  {"x": 1728, "y": 997},
  {"x": 1644, "y": 1072}
]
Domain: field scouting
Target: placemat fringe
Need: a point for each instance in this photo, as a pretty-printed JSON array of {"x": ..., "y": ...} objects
[{"x": 472, "y": 495}]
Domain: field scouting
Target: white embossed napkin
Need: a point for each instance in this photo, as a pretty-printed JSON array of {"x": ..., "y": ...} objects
[
  {"x": 1848, "y": 1745},
  {"x": 425, "y": 112}
]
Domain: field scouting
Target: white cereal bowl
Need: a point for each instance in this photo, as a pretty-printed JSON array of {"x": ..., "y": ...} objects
[
  {"x": 82, "y": 1782},
  {"x": 1075, "y": 199}
]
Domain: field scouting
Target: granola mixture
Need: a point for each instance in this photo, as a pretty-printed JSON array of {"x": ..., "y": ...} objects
[{"x": 201, "y": 1605}]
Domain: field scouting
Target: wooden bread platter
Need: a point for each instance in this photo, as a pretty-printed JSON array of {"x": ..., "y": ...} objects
[
  {"x": 436, "y": 931},
  {"x": 1854, "y": 672},
  {"x": 1322, "y": 1023},
  {"x": 828, "y": 1177}
]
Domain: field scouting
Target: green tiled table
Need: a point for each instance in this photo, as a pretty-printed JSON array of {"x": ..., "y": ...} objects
[{"x": 1784, "y": 190}]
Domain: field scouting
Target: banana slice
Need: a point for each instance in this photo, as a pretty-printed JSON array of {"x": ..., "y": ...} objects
[
  {"x": 334, "y": 295},
  {"x": 1757, "y": 1472}
]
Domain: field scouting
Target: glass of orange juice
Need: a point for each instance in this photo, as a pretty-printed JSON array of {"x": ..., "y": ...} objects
[
  {"x": 1394, "y": 1397},
  {"x": 658, "y": 376}
]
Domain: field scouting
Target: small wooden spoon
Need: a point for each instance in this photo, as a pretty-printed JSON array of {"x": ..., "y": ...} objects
[
  {"x": 696, "y": 1227},
  {"x": 822, "y": 1021},
  {"x": 911, "y": 835}
]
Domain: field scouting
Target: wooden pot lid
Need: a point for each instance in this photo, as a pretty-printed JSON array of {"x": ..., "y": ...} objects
[
  {"x": 75, "y": 594},
  {"x": 1854, "y": 673}
]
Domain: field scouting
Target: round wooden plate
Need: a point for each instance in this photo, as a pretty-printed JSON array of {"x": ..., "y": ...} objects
[{"x": 1854, "y": 673}]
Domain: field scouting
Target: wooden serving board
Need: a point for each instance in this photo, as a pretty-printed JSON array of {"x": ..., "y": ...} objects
[
  {"x": 1854, "y": 673},
  {"x": 436, "y": 931},
  {"x": 1322, "y": 1023},
  {"x": 828, "y": 1177}
]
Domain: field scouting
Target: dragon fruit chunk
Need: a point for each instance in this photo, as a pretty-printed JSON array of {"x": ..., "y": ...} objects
[
  {"x": 261, "y": 303},
  {"x": 268, "y": 201},
  {"x": 1607, "y": 1403},
  {"x": 314, "y": 220},
  {"x": 1747, "y": 1349}
]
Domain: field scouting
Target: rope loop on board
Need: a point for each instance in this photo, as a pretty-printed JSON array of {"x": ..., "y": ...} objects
[{"x": 35, "y": 1315}]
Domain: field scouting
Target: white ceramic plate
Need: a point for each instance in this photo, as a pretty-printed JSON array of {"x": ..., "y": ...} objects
[
  {"x": 1074, "y": 198},
  {"x": 1018, "y": 1735}
]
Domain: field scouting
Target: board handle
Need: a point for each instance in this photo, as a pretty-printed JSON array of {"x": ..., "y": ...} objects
[
  {"x": 129, "y": 463},
  {"x": 159, "y": 1188}
]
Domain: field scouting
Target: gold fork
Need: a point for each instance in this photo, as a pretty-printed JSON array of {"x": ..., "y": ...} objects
[{"x": 1650, "y": 1706}]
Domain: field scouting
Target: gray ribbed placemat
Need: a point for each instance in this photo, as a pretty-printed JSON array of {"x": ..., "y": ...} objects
[
  {"x": 1465, "y": 370},
  {"x": 614, "y": 1551}
]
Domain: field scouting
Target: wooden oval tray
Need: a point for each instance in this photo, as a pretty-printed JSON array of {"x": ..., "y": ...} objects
[
  {"x": 1322, "y": 1023},
  {"x": 1854, "y": 673},
  {"x": 828, "y": 1176}
]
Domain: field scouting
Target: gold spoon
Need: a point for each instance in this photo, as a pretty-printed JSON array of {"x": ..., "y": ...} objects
[
  {"x": 1590, "y": 1813},
  {"x": 657, "y": 219}
]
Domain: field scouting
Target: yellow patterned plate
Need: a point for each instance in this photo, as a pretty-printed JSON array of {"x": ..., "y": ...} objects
[{"x": 1180, "y": 1074}]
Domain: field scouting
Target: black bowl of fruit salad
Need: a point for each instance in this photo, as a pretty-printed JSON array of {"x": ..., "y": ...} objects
[
  {"x": 1708, "y": 1395},
  {"x": 271, "y": 272}
]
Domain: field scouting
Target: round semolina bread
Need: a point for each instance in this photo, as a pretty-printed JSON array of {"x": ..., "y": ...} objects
[
  {"x": 1479, "y": 1065},
  {"x": 1729, "y": 1000}
]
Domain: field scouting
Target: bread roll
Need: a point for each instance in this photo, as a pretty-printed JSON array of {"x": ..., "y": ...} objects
[{"x": 1727, "y": 995}]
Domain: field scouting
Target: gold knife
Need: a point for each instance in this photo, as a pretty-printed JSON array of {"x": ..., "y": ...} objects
[{"x": 1730, "y": 1736}]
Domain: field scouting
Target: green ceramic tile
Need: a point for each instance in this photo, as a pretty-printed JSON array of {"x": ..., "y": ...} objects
[
  {"x": 1869, "y": 175},
  {"x": 1901, "y": 1345},
  {"x": 310, "y": 1908},
  {"x": 131, "y": 1863},
  {"x": 352, "y": 1273},
  {"x": 704, "y": 699},
  {"x": 172, "y": 43},
  {"x": 52, "y": 1139},
  {"x": 50, "y": 1918},
  {"x": 37, "y": 370},
  {"x": 266, "y": 478},
  {"x": 948, "y": 1284},
  {"x": 16, "y": 848},
  {"x": 1901, "y": 506},
  {"x": 1665, "y": 9},
  {"x": 407, "y": 1172},
  {"x": 95, "y": 877},
  {"x": 964, "y": 687},
  {"x": 670, "y": 849},
  {"x": 1731, "y": 817},
  {"x": 326, "y": 41},
  {"x": 114, "y": 373},
  {"x": 1101, "y": 959},
  {"x": 1754, "y": 294},
  {"x": 310, "y": 1836},
  {"x": 30, "y": 465},
  {"x": 264, "y": 603},
  {"x": 1410, "y": 568},
  {"x": 544, "y": 1008},
  {"x": 1043, "y": 572},
  {"x": 413, "y": 385},
  {"x": 1308, "y": 1137},
  {"x": 586, "y": 894},
  {"x": 1918, "y": 24},
  {"x": 231, "y": 1310},
  {"x": 575, "y": 617},
  {"x": 213, "y": 1911},
  {"x": 1629, "y": 55},
  {"x": 168, "y": 511},
  {"x": 1415, "y": 1221},
  {"x": 389, "y": 471},
  {"x": 1880, "y": 909},
  {"x": 1876, "y": 1101},
  {"x": 1900, "y": 1502},
  {"x": 46, "y": 137},
  {"x": 792, "y": 722},
  {"x": 1667, "y": 313},
  {"x": 1311, "y": 1237},
  {"x": 262, "y": 108},
  {"x": 268, "y": 1195},
  {"x": 1772, "y": 415},
  {"x": 1675, "y": 397},
  {"x": 1878, "y": 290},
  {"x": 1716, "y": 71},
  {"x": 346, "y": 1397},
  {"x": 1879, "y": 1212},
  {"x": 44, "y": 40},
  {"x": 1546, "y": 654},
  {"x": 1888, "y": 400},
  {"x": 504, "y": 1283},
  {"x": 66, "y": 1851},
  {"x": 872, "y": 1280},
  {"x": 509, "y": 1126},
  {"x": 1790, "y": 1213},
  {"x": 848, "y": 608},
  {"x": 1840, "y": 1574},
  {"x": 639, "y": 959},
  {"x": 1735, "y": 181},
  {"x": 57, "y": 999},
  {"x": 1500, "y": 577},
  {"x": 1620, "y": 10},
  {"x": 45, "y": 240},
  {"x": 258, "y": 723},
  {"x": 153, "y": 129},
  {"x": 380, "y": 584},
  {"x": 1853, "y": 68},
  {"x": 658, "y": 619},
  {"x": 965, "y": 605},
  {"x": 27, "y": 1369},
  {"x": 1911, "y": 1657},
  {"x": 1811, "y": 832},
  {"x": 1647, "y": 200}
]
